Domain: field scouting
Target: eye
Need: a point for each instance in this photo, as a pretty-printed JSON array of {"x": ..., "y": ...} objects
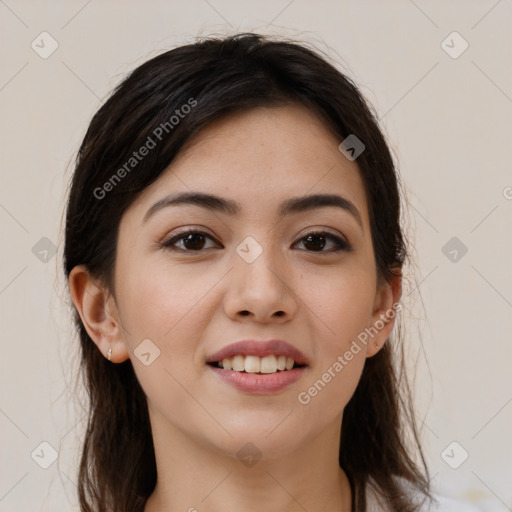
[
  {"x": 318, "y": 240},
  {"x": 191, "y": 240}
]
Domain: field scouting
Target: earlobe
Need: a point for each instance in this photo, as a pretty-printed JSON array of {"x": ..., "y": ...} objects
[
  {"x": 386, "y": 307},
  {"x": 96, "y": 308}
]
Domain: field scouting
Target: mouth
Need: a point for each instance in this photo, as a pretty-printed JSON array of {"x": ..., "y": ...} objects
[{"x": 257, "y": 365}]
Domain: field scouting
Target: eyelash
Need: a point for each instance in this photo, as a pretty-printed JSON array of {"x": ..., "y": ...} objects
[{"x": 341, "y": 245}]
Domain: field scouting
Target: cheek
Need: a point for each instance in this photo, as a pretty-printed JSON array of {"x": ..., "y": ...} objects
[
  {"x": 330, "y": 388},
  {"x": 164, "y": 305},
  {"x": 172, "y": 307},
  {"x": 157, "y": 301},
  {"x": 342, "y": 302},
  {"x": 345, "y": 312},
  {"x": 343, "y": 307}
]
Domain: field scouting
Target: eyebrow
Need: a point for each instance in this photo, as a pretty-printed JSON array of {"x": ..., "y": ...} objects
[{"x": 231, "y": 207}]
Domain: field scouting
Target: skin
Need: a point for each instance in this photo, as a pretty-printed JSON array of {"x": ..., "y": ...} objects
[{"x": 191, "y": 304}]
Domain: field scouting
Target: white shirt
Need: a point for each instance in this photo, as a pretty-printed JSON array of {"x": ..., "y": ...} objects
[{"x": 442, "y": 504}]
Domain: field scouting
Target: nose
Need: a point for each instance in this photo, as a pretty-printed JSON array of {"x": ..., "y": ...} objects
[{"x": 260, "y": 291}]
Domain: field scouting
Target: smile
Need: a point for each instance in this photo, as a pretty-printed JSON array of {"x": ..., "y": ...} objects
[
  {"x": 255, "y": 364},
  {"x": 258, "y": 376}
]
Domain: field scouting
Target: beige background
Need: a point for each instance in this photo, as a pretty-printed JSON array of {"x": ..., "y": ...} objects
[{"x": 448, "y": 120}]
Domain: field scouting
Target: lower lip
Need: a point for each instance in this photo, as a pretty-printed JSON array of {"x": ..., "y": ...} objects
[{"x": 263, "y": 384}]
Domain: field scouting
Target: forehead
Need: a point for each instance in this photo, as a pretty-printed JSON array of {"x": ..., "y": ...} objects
[{"x": 260, "y": 158}]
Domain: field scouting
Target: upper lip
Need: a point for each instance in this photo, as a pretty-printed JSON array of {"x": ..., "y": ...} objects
[{"x": 260, "y": 349}]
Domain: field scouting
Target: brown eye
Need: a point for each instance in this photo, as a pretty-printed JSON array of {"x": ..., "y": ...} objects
[
  {"x": 193, "y": 241},
  {"x": 190, "y": 241},
  {"x": 316, "y": 242}
]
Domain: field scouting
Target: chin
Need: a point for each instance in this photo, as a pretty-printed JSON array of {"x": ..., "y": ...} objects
[{"x": 250, "y": 442}]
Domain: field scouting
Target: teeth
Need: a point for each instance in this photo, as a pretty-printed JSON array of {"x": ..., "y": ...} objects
[
  {"x": 268, "y": 364},
  {"x": 252, "y": 364},
  {"x": 239, "y": 363},
  {"x": 255, "y": 364}
]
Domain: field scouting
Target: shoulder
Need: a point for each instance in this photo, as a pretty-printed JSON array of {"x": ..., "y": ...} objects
[{"x": 375, "y": 502}]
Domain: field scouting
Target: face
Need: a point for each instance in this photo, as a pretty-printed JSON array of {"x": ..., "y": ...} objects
[{"x": 192, "y": 295}]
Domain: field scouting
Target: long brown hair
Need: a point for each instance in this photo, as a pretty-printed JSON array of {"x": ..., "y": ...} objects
[{"x": 220, "y": 76}]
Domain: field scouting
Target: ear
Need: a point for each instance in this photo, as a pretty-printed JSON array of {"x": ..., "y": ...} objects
[
  {"x": 98, "y": 312},
  {"x": 386, "y": 307}
]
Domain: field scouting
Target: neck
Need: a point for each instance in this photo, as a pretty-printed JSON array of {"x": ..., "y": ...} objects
[{"x": 194, "y": 477}]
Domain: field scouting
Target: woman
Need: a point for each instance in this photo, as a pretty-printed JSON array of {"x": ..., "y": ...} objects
[{"x": 234, "y": 253}]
